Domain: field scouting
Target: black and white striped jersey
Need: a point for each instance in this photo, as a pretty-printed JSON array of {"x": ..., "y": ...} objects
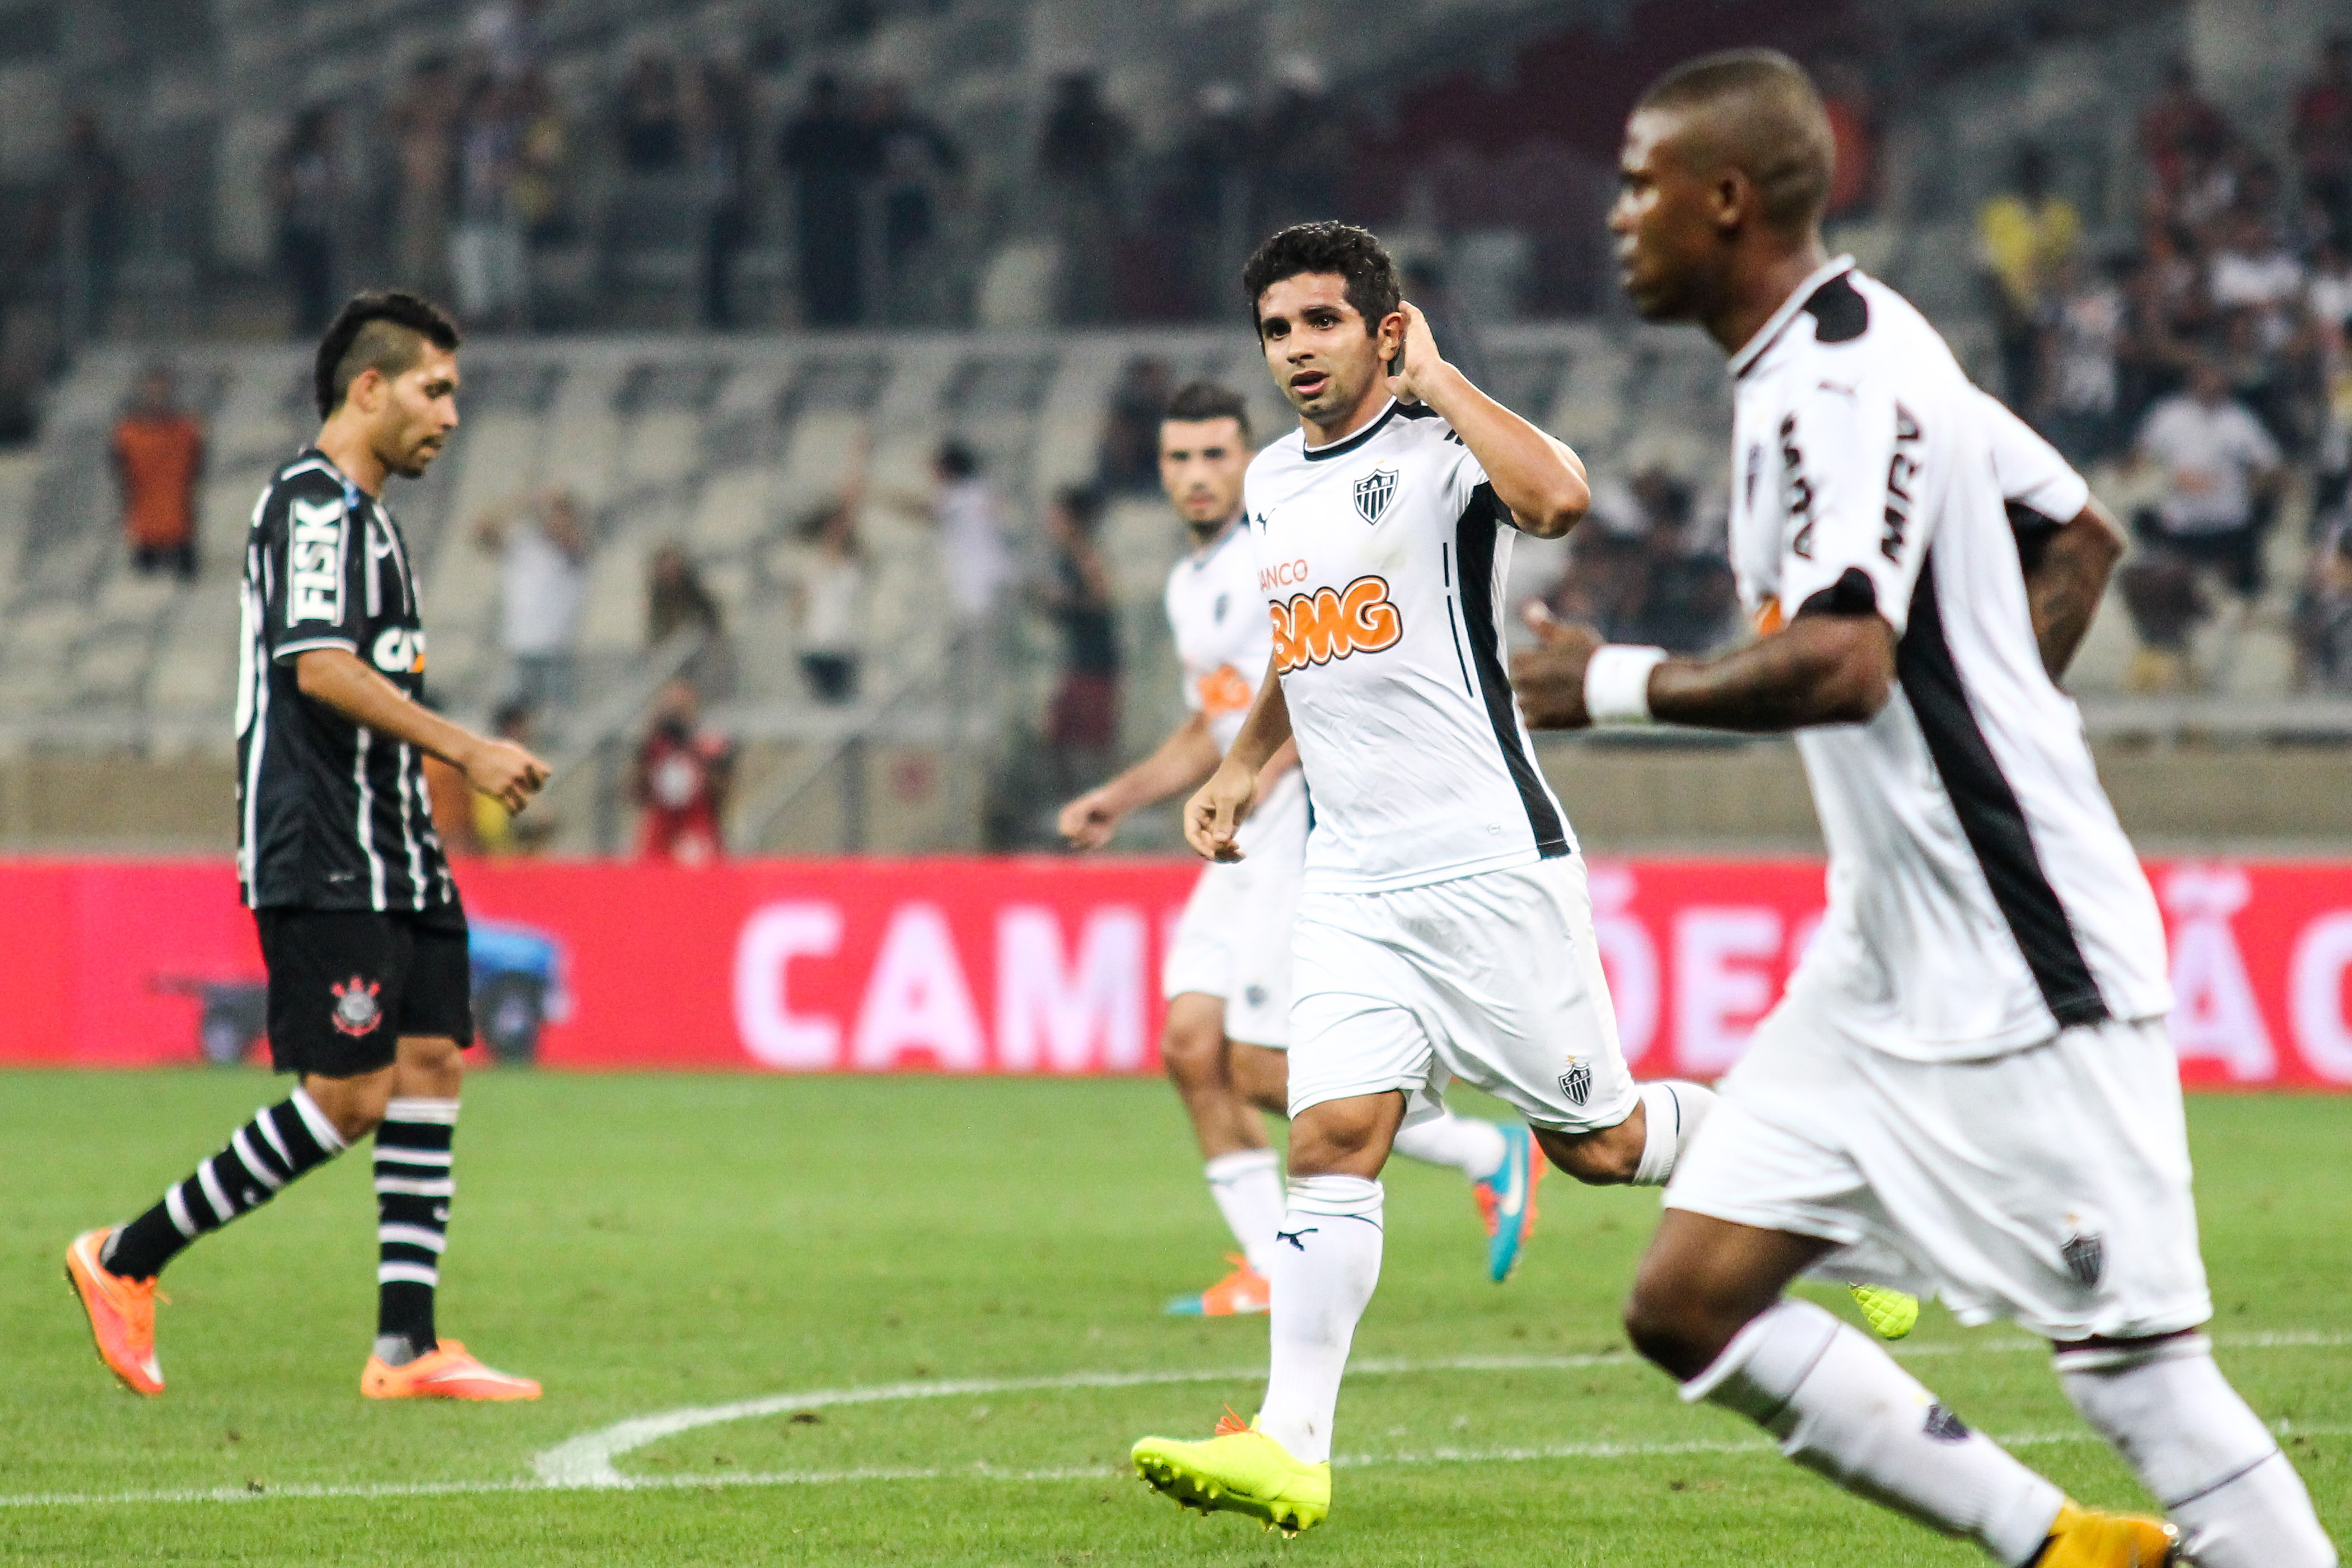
[
  {"x": 331, "y": 816},
  {"x": 1382, "y": 559},
  {"x": 1982, "y": 893}
]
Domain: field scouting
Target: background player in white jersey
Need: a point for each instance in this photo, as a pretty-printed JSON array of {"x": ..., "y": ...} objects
[
  {"x": 1967, "y": 1087},
  {"x": 1228, "y": 972},
  {"x": 1444, "y": 929}
]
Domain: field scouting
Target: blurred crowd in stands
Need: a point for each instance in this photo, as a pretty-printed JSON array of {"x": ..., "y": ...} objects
[{"x": 2205, "y": 363}]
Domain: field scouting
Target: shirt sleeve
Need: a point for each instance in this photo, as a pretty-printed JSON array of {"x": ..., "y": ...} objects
[
  {"x": 2253, "y": 442},
  {"x": 1461, "y": 475},
  {"x": 318, "y": 564},
  {"x": 1855, "y": 523},
  {"x": 2032, "y": 473}
]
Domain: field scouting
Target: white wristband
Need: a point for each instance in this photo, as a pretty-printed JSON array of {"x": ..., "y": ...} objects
[{"x": 1617, "y": 682}]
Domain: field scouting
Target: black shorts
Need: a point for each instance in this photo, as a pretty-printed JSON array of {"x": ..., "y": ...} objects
[{"x": 346, "y": 985}]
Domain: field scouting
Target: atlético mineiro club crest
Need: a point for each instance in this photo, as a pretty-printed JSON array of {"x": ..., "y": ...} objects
[
  {"x": 1576, "y": 1082},
  {"x": 1373, "y": 493},
  {"x": 356, "y": 1009}
]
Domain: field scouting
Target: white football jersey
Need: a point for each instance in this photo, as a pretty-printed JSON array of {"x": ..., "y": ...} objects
[
  {"x": 1381, "y": 558},
  {"x": 1223, "y": 642},
  {"x": 1982, "y": 893}
]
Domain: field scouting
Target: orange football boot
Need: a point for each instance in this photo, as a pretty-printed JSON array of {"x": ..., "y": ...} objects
[
  {"x": 1242, "y": 1291},
  {"x": 121, "y": 1313},
  {"x": 446, "y": 1373}
]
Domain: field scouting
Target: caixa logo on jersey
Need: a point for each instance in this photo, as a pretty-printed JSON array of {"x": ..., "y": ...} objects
[
  {"x": 1373, "y": 493},
  {"x": 400, "y": 651}
]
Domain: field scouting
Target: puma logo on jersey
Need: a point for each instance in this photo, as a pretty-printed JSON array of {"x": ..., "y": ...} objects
[
  {"x": 1334, "y": 623},
  {"x": 314, "y": 561},
  {"x": 400, "y": 651}
]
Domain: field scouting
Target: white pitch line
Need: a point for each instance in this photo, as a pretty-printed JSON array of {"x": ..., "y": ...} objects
[
  {"x": 584, "y": 1463},
  {"x": 991, "y": 1473}
]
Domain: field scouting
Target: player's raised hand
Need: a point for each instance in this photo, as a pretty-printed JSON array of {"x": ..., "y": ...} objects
[
  {"x": 505, "y": 772},
  {"x": 1550, "y": 676},
  {"x": 1088, "y": 822},
  {"x": 1217, "y": 810},
  {"x": 1417, "y": 362}
]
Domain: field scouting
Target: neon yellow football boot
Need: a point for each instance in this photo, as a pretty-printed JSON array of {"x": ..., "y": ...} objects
[
  {"x": 1890, "y": 1313},
  {"x": 2085, "y": 1538},
  {"x": 1240, "y": 1471}
]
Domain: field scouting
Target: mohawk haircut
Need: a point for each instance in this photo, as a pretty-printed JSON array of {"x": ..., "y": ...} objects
[
  {"x": 383, "y": 331},
  {"x": 1336, "y": 249},
  {"x": 1758, "y": 111},
  {"x": 1199, "y": 400}
]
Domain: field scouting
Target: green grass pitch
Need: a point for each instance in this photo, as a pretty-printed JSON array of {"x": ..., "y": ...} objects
[{"x": 647, "y": 1243}]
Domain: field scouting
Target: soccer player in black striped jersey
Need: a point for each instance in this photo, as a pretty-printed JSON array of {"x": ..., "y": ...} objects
[
  {"x": 361, "y": 926},
  {"x": 1967, "y": 1087}
]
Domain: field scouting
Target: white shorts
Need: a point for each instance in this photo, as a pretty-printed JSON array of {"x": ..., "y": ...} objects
[
  {"x": 1233, "y": 938},
  {"x": 2049, "y": 1186},
  {"x": 1492, "y": 978}
]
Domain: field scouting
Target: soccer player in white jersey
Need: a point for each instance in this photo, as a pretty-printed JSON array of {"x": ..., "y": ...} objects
[
  {"x": 1444, "y": 929},
  {"x": 1967, "y": 1087},
  {"x": 1228, "y": 972}
]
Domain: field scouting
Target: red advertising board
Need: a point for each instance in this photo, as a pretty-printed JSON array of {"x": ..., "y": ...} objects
[{"x": 1051, "y": 965}]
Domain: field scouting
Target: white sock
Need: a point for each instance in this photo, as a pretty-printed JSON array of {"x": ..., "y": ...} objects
[
  {"x": 1473, "y": 1147},
  {"x": 2207, "y": 1458},
  {"x": 1247, "y": 1186},
  {"x": 1327, "y": 1258},
  {"x": 1675, "y": 1110},
  {"x": 1842, "y": 1408}
]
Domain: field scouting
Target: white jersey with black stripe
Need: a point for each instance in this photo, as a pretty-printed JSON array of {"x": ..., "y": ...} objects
[
  {"x": 1982, "y": 893},
  {"x": 1382, "y": 559}
]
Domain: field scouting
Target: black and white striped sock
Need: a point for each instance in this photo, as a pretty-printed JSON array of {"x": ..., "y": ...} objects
[
  {"x": 282, "y": 1141},
  {"x": 412, "y": 1189}
]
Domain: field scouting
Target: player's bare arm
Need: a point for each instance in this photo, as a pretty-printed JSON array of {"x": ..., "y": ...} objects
[
  {"x": 1534, "y": 475},
  {"x": 1823, "y": 667},
  {"x": 1217, "y": 810},
  {"x": 1181, "y": 762},
  {"x": 2066, "y": 582},
  {"x": 343, "y": 682}
]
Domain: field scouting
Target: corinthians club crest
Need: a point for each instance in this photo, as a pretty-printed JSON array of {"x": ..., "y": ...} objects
[
  {"x": 356, "y": 1010},
  {"x": 1373, "y": 493}
]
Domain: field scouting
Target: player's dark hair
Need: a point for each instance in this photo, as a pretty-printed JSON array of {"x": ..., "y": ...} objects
[
  {"x": 1338, "y": 249},
  {"x": 381, "y": 331},
  {"x": 1199, "y": 400},
  {"x": 956, "y": 460},
  {"x": 1772, "y": 124}
]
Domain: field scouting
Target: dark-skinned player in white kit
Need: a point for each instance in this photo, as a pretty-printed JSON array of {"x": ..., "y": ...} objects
[{"x": 1967, "y": 1087}]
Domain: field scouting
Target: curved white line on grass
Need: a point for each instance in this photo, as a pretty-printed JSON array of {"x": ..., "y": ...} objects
[{"x": 586, "y": 1462}]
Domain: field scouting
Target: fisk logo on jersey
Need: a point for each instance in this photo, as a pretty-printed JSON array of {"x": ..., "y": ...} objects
[
  {"x": 400, "y": 651},
  {"x": 1373, "y": 493},
  {"x": 314, "y": 563},
  {"x": 1334, "y": 623}
]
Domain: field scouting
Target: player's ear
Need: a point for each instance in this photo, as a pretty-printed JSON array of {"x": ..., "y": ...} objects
[{"x": 1392, "y": 339}]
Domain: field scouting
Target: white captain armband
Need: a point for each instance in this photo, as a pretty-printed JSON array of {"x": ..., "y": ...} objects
[{"x": 1617, "y": 682}]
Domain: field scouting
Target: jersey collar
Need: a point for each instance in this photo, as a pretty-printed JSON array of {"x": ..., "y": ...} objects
[
  {"x": 1769, "y": 332},
  {"x": 1340, "y": 448}
]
